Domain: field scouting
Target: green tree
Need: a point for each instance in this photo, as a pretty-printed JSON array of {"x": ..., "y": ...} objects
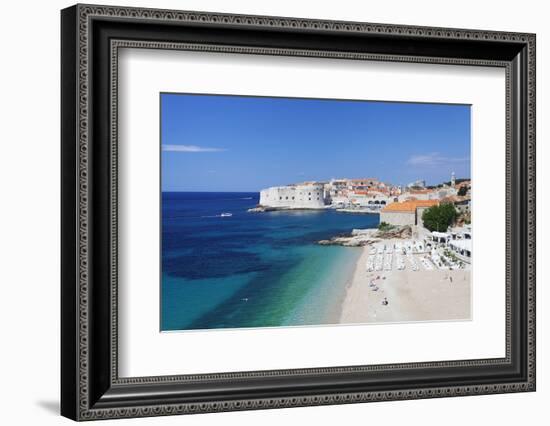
[
  {"x": 384, "y": 226},
  {"x": 438, "y": 218},
  {"x": 462, "y": 191}
]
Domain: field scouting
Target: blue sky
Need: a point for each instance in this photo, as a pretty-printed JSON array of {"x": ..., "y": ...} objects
[{"x": 235, "y": 143}]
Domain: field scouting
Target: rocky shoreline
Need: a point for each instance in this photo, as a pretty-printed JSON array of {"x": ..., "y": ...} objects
[
  {"x": 263, "y": 209},
  {"x": 364, "y": 237}
]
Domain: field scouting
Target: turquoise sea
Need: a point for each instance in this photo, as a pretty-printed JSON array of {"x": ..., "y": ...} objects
[{"x": 251, "y": 269}]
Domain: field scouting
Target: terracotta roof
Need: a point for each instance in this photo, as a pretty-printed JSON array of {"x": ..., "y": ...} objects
[
  {"x": 450, "y": 199},
  {"x": 454, "y": 199},
  {"x": 464, "y": 183},
  {"x": 409, "y": 206},
  {"x": 421, "y": 191},
  {"x": 371, "y": 192}
]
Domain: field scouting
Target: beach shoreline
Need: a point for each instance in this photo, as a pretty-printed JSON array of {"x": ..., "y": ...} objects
[{"x": 422, "y": 295}]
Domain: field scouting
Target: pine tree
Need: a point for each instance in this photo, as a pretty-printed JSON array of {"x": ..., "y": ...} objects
[{"x": 439, "y": 218}]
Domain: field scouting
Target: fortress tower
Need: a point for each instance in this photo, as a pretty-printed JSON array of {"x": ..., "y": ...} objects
[
  {"x": 298, "y": 196},
  {"x": 453, "y": 179}
]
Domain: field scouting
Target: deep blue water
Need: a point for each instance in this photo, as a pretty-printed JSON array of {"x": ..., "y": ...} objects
[{"x": 251, "y": 269}]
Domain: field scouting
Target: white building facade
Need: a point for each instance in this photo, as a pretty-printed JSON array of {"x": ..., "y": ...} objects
[{"x": 301, "y": 196}]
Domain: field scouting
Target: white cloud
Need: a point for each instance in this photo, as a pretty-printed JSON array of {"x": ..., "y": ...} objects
[
  {"x": 434, "y": 159},
  {"x": 190, "y": 148}
]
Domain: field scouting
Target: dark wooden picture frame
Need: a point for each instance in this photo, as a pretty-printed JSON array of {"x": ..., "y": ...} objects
[{"x": 90, "y": 386}]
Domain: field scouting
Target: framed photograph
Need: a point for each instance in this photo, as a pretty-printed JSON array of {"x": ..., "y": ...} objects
[{"x": 263, "y": 212}]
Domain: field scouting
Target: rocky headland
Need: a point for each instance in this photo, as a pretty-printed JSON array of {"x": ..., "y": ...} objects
[{"x": 364, "y": 237}]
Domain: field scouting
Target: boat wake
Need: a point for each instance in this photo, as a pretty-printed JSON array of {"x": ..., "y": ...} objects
[{"x": 219, "y": 215}]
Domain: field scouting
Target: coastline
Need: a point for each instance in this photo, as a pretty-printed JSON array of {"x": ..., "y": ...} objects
[
  {"x": 267, "y": 209},
  {"x": 321, "y": 305},
  {"x": 411, "y": 295},
  {"x": 258, "y": 271}
]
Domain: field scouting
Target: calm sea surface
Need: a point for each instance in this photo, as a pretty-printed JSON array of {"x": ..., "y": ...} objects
[{"x": 251, "y": 269}]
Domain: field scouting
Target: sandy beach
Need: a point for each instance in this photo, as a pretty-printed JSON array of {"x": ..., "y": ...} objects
[{"x": 423, "y": 295}]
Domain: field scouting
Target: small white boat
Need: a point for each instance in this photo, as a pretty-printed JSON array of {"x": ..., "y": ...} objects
[{"x": 226, "y": 215}]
